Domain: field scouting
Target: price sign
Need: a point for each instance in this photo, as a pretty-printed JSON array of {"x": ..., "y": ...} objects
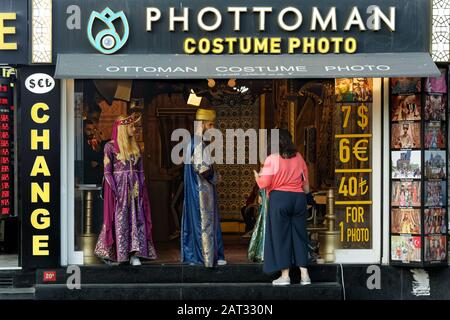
[{"x": 353, "y": 141}]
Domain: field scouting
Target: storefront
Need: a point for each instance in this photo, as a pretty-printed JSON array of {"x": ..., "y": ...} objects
[
  {"x": 324, "y": 71},
  {"x": 291, "y": 59}
]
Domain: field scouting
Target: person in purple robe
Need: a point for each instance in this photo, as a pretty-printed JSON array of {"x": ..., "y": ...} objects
[{"x": 127, "y": 228}]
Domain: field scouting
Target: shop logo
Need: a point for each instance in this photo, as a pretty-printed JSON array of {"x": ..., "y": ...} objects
[
  {"x": 108, "y": 40},
  {"x": 40, "y": 83}
]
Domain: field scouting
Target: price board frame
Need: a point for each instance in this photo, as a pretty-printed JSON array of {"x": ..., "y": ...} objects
[{"x": 354, "y": 175}]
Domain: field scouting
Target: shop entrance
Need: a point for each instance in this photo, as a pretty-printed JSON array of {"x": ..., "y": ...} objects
[{"x": 305, "y": 107}]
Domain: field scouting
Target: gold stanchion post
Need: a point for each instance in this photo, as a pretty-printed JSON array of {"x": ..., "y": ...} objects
[
  {"x": 329, "y": 239},
  {"x": 88, "y": 238}
]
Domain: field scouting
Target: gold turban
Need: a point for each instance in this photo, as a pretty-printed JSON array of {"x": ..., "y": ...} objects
[{"x": 205, "y": 115}]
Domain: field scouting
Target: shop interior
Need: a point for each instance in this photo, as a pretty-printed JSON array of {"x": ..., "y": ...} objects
[{"x": 304, "y": 106}]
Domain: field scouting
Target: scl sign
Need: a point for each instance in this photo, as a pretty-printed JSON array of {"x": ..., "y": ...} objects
[{"x": 40, "y": 83}]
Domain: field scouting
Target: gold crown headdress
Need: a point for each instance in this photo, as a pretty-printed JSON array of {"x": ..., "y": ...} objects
[
  {"x": 205, "y": 115},
  {"x": 129, "y": 120}
]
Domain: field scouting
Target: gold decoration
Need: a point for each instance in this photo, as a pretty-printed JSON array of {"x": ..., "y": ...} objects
[
  {"x": 205, "y": 115},
  {"x": 135, "y": 190},
  {"x": 106, "y": 160}
]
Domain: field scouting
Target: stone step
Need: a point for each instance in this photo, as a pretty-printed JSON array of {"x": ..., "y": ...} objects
[
  {"x": 17, "y": 293},
  {"x": 125, "y": 274},
  {"x": 17, "y": 278},
  {"x": 191, "y": 291}
]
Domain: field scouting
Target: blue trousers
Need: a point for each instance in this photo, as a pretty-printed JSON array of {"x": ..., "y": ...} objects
[{"x": 286, "y": 243}]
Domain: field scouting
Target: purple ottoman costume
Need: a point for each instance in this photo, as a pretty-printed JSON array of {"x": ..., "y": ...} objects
[{"x": 127, "y": 227}]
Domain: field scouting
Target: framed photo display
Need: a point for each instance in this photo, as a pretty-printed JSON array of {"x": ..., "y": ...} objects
[{"x": 419, "y": 171}]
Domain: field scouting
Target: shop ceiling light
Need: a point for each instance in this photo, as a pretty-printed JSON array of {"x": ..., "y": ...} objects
[
  {"x": 194, "y": 100},
  {"x": 41, "y": 31},
  {"x": 211, "y": 83},
  {"x": 232, "y": 83}
]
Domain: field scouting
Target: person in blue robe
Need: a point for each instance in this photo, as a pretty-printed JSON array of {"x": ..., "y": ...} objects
[{"x": 201, "y": 235}]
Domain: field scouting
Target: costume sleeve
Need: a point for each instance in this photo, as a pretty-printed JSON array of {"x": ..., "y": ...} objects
[
  {"x": 141, "y": 173},
  {"x": 267, "y": 173},
  {"x": 202, "y": 164},
  {"x": 108, "y": 161}
]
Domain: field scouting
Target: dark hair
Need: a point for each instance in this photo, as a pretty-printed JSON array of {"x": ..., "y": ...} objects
[
  {"x": 87, "y": 121},
  {"x": 286, "y": 147}
]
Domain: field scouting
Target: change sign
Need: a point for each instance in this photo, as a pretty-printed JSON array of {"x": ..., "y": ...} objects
[{"x": 40, "y": 167}]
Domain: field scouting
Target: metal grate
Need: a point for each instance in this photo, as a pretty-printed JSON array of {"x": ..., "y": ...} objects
[{"x": 6, "y": 282}]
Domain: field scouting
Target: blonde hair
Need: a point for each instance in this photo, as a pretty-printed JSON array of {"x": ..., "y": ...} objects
[{"x": 128, "y": 146}]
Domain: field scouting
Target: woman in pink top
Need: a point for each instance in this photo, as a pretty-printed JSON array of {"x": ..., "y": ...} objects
[{"x": 285, "y": 179}]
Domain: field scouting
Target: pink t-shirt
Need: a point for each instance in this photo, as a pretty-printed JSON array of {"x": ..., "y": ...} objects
[{"x": 283, "y": 174}]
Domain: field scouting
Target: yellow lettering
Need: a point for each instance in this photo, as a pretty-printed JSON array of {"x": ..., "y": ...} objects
[
  {"x": 358, "y": 235},
  {"x": 231, "y": 42},
  {"x": 261, "y": 45},
  {"x": 7, "y": 30},
  {"x": 245, "y": 45},
  {"x": 203, "y": 45},
  {"x": 217, "y": 46},
  {"x": 275, "y": 45},
  {"x": 294, "y": 43},
  {"x": 337, "y": 44},
  {"x": 189, "y": 45},
  {"x": 347, "y": 110},
  {"x": 323, "y": 45},
  {"x": 344, "y": 150},
  {"x": 40, "y": 167},
  {"x": 309, "y": 45},
  {"x": 43, "y": 222},
  {"x": 36, "y": 190},
  {"x": 350, "y": 45},
  {"x": 39, "y": 244},
  {"x": 44, "y": 139},
  {"x": 355, "y": 214},
  {"x": 35, "y": 113}
]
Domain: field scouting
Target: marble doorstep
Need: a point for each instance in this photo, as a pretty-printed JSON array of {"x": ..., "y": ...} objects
[
  {"x": 8, "y": 261},
  {"x": 191, "y": 291},
  {"x": 177, "y": 273},
  {"x": 17, "y": 293}
]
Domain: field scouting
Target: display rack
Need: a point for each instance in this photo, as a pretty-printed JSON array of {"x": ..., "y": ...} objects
[{"x": 419, "y": 171}]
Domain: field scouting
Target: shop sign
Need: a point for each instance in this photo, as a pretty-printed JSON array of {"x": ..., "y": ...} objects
[
  {"x": 40, "y": 83},
  {"x": 40, "y": 167},
  {"x": 259, "y": 27},
  {"x": 353, "y": 171},
  {"x": 13, "y": 32}
]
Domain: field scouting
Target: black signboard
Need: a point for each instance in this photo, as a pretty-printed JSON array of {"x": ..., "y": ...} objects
[
  {"x": 237, "y": 27},
  {"x": 39, "y": 164},
  {"x": 14, "y": 32}
]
